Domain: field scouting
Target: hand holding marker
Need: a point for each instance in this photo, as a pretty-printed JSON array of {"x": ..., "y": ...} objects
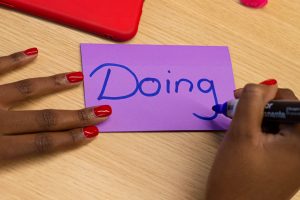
[
  {"x": 279, "y": 111},
  {"x": 275, "y": 111},
  {"x": 253, "y": 151}
]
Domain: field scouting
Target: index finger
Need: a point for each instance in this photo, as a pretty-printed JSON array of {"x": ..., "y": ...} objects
[
  {"x": 8, "y": 63},
  {"x": 282, "y": 93}
]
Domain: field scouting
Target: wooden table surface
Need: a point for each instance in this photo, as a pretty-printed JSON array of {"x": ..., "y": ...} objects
[{"x": 264, "y": 44}]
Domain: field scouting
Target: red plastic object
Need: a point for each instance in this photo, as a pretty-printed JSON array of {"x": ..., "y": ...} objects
[
  {"x": 114, "y": 19},
  {"x": 254, "y": 3}
]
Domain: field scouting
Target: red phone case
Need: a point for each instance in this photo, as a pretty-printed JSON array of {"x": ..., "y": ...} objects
[{"x": 115, "y": 19}]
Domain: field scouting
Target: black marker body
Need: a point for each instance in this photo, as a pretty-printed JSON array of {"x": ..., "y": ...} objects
[{"x": 282, "y": 111}]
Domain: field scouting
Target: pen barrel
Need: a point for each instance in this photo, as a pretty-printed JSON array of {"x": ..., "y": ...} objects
[
  {"x": 231, "y": 107},
  {"x": 282, "y": 111}
]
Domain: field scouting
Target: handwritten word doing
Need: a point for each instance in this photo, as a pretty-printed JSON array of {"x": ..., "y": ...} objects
[{"x": 139, "y": 86}]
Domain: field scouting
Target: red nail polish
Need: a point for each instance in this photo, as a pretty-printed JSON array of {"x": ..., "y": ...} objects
[
  {"x": 90, "y": 131},
  {"x": 269, "y": 82},
  {"x": 103, "y": 111},
  {"x": 31, "y": 52},
  {"x": 75, "y": 77}
]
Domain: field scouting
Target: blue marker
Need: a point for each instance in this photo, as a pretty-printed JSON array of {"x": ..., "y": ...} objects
[{"x": 275, "y": 111}]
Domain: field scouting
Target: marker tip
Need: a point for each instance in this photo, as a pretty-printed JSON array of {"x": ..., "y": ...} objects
[
  {"x": 218, "y": 108},
  {"x": 214, "y": 108}
]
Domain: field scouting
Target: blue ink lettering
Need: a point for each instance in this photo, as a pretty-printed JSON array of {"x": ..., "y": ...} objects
[
  {"x": 177, "y": 83},
  {"x": 101, "y": 96},
  {"x": 211, "y": 88},
  {"x": 153, "y": 80},
  {"x": 168, "y": 83},
  {"x": 139, "y": 86}
]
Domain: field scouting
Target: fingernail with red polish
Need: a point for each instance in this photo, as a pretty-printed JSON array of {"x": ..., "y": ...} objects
[
  {"x": 75, "y": 77},
  {"x": 31, "y": 52},
  {"x": 90, "y": 131},
  {"x": 103, "y": 111},
  {"x": 269, "y": 82}
]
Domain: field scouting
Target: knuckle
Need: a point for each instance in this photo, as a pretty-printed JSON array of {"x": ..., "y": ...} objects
[
  {"x": 47, "y": 119},
  {"x": 2, "y": 62},
  {"x": 241, "y": 135},
  {"x": 3, "y": 150},
  {"x": 85, "y": 116},
  {"x": 75, "y": 136},
  {"x": 253, "y": 90},
  {"x": 4, "y": 106},
  {"x": 249, "y": 137},
  {"x": 43, "y": 143},
  {"x": 25, "y": 87},
  {"x": 245, "y": 138},
  {"x": 58, "y": 80},
  {"x": 16, "y": 57}
]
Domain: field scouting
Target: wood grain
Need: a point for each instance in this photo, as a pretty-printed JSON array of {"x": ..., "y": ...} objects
[{"x": 263, "y": 43}]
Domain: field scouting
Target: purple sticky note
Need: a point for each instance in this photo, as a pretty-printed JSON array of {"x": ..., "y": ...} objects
[{"x": 158, "y": 88}]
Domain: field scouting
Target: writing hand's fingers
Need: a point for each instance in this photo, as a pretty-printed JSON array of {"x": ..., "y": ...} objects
[
  {"x": 15, "y": 122},
  {"x": 290, "y": 131},
  {"x": 8, "y": 63},
  {"x": 249, "y": 112},
  {"x": 285, "y": 94},
  {"x": 282, "y": 93},
  {"x": 237, "y": 93},
  {"x": 12, "y": 93},
  {"x": 19, "y": 145}
]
